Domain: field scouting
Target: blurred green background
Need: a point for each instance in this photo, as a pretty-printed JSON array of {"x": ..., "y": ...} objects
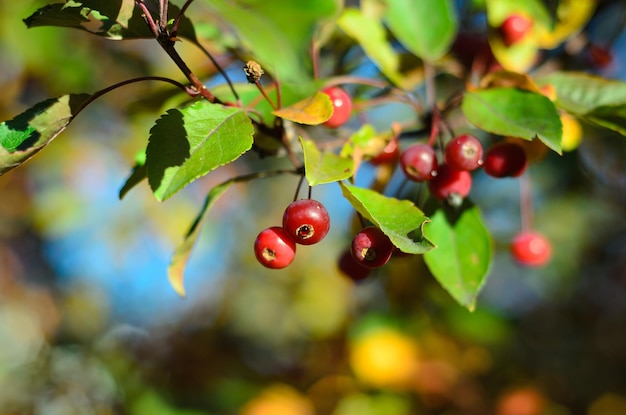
[{"x": 90, "y": 325}]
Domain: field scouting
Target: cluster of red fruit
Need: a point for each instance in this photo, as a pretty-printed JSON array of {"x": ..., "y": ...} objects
[{"x": 305, "y": 222}]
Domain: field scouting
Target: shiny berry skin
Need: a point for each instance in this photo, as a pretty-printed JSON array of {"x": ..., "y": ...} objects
[
  {"x": 531, "y": 249},
  {"x": 419, "y": 162},
  {"x": 274, "y": 248},
  {"x": 514, "y": 28},
  {"x": 388, "y": 155},
  {"x": 450, "y": 184},
  {"x": 371, "y": 248},
  {"x": 505, "y": 159},
  {"x": 351, "y": 268},
  {"x": 464, "y": 152},
  {"x": 342, "y": 106},
  {"x": 306, "y": 221}
]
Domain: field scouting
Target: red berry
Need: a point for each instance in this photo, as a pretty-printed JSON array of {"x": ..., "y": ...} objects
[
  {"x": 351, "y": 268},
  {"x": 505, "y": 159},
  {"x": 342, "y": 106},
  {"x": 306, "y": 221},
  {"x": 600, "y": 56},
  {"x": 450, "y": 184},
  {"x": 274, "y": 248},
  {"x": 371, "y": 247},
  {"x": 514, "y": 28},
  {"x": 419, "y": 162},
  {"x": 389, "y": 154},
  {"x": 464, "y": 152},
  {"x": 531, "y": 249}
]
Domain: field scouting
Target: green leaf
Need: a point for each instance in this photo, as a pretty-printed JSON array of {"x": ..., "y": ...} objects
[
  {"x": 514, "y": 112},
  {"x": 324, "y": 167},
  {"x": 277, "y": 33},
  {"x": 112, "y": 19},
  {"x": 370, "y": 33},
  {"x": 463, "y": 255},
  {"x": 400, "y": 220},
  {"x": 26, "y": 134},
  {"x": 580, "y": 93},
  {"x": 311, "y": 111},
  {"x": 188, "y": 143},
  {"x": 425, "y": 28},
  {"x": 137, "y": 174},
  {"x": 613, "y": 118},
  {"x": 176, "y": 268}
]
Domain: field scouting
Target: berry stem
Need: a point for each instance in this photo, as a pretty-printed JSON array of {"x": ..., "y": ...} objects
[
  {"x": 98, "y": 94},
  {"x": 300, "y": 181}
]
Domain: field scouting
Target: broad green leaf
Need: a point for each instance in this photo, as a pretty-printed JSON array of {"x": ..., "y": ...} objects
[
  {"x": 400, "y": 220},
  {"x": 426, "y": 28},
  {"x": 370, "y": 33},
  {"x": 324, "y": 167},
  {"x": 613, "y": 118},
  {"x": 311, "y": 111},
  {"x": 112, "y": 19},
  {"x": 514, "y": 112},
  {"x": 581, "y": 93},
  {"x": 463, "y": 255},
  {"x": 188, "y": 143},
  {"x": 277, "y": 33},
  {"x": 26, "y": 134},
  {"x": 176, "y": 268}
]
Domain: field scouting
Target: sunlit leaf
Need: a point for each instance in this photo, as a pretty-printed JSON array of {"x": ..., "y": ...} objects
[
  {"x": 370, "y": 33},
  {"x": 176, "y": 268},
  {"x": 571, "y": 17},
  {"x": 113, "y": 19},
  {"x": 463, "y": 255},
  {"x": 26, "y": 134},
  {"x": 188, "y": 143},
  {"x": 514, "y": 112},
  {"x": 324, "y": 167},
  {"x": 426, "y": 28},
  {"x": 400, "y": 220},
  {"x": 311, "y": 111}
]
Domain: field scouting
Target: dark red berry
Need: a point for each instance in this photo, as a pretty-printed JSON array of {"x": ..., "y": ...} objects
[
  {"x": 274, "y": 248},
  {"x": 514, "y": 28},
  {"x": 505, "y": 159},
  {"x": 388, "y": 155},
  {"x": 464, "y": 152},
  {"x": 371, "y": 247},
  {"x": 600, "y": 56},
  {"x": 306, "y": 221},
  {"x": 351, "y": 268},
  {"x": 419, "y": 162},
  {"x": 450, "y": 184},
  {"x": 342, "y": 106},
  {"x": 531, "y": 249}
]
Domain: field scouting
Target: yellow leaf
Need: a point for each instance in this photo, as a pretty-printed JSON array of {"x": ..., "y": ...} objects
[{"x": 311, "y": 111}]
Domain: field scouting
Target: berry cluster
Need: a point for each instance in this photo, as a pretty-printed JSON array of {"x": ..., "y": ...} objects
[
  {"x": 305, "y": 222},
  {"x": 451, "y": 180}
]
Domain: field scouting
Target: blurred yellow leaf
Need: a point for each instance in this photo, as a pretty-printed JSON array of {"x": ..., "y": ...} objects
[
  {"x": 571, "y": 16},
  {"x": 313, "y": 110}
]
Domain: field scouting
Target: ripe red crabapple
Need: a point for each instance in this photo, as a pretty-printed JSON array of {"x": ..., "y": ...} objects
[
  {"x": 505, "y": 159},
  {"x": 464, "y": 152},
  {"x": 342, "y": 106},
  {"x": 450, "y": 184},
  {"x": 419, "y": 162},
  {"x": 531, "y": 249},
  {"x": 371, "y": 247},
  {"x": 306, "y": 221},
  {"x": 274, "y": 248},
  {"x": 514, "y": 28},
  {"x": 389, "y": 154}
]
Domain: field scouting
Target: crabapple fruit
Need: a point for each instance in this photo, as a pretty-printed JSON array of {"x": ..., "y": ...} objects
[
  {"x": 514, "y": 28},
  {"x": 419, "y": 162},
  {"x": 306, "y": 221},
  {"x": 450, "y": 184},
  {"x": 371, "y": 248},
  {"x": 464, "y": 152},
  {"x": 342, "y": 106},
  {"x": 274, "y": 248},
  {"x": 505, "y": 159},
  {"x": 531, "y": 249}
]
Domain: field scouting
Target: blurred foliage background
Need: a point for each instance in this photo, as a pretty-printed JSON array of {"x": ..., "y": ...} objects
[{"x": 90, "y": 325}]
